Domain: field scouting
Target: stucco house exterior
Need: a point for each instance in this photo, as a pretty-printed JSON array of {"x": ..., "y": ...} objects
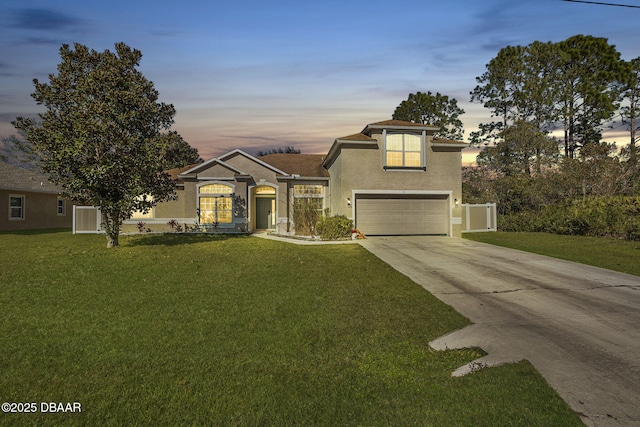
[
  {"x": 392, "y": 178},
  {"x": 29, "y": 201}
]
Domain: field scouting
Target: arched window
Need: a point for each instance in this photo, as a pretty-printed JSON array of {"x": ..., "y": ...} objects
[{"x": 215, "y": 203}]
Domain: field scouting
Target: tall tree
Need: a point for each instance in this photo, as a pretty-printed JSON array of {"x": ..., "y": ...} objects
[
  {"x": 524, "y": 150},
  {"x": 517, "y": 87},
  {"x": 101, "y": 137},
  {"x": 630, "y": 110},
  {"x": 438, "y": 110},
  {"x": 500, "y": 87},
  {"x": 588, "y": 70}
]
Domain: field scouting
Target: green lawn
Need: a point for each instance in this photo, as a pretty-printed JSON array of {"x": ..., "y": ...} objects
[
  {"x": 614, "y": 254},
  {"x": 212, "y": 330}
]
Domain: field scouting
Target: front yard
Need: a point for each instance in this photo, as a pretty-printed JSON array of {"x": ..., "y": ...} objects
[{"x": 219, "y": 330}]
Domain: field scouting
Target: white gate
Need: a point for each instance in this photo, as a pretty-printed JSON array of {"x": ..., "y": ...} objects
[
  {"x": 480, "y": 217},
  {"x": 86, "y": 219}
]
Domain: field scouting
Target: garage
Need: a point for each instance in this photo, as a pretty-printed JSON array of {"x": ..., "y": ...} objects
[{"x": 402, "y": 214}]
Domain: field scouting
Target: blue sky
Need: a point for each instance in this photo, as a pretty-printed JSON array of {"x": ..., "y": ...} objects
[{"x": 256, "y": 75}]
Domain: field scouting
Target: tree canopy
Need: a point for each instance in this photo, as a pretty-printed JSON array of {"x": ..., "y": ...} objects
[
  {"x": 104, "y": 137},
  {"x": 438, "y": 110},
  {"x": 570, "y": 85},
  {"x": 577, "y": 88},
  {"x": 17, "y": 150},
  {"x": 279, "y": 150}
]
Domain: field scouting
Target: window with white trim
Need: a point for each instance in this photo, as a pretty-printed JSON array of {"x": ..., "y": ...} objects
[
  {"x": 310, "y": 193},
  {"x": 16, "y": 208},
  {"x": 403, "y": 150},
  {"x": 305, "y": 190},
  {"x": 215, "y": 203},
  {"x": 61, "y": 207}
]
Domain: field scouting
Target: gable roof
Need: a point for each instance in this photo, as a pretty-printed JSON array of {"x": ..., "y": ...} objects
[
  {"x": 307, "y": 165},
  {"x": 357, "y": 137},
  {"x": 175, "y": 172},
  {"x": 440, "y": 142},
  {"x": 15, "y": 178},
  {"x": 194, "y": 170},
  {"x": 252, "y": 158}
]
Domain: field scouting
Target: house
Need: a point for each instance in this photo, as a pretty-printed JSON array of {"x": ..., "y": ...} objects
[
  {"x": 30, "y": 201},
  {"x": 392, "y": 178}
]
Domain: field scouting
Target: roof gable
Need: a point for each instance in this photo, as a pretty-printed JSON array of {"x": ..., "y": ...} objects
[
  {"x": 357, "y": 137},
  {"x": 257, "y": 160},
  {"x": 209, "y": 164}
]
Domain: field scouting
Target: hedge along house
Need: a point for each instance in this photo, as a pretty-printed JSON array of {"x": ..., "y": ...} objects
[
  {"x": 29, "y": 201},
  {"x": 393, "y": 178}
]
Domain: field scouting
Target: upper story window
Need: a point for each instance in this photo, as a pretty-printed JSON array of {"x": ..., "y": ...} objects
[
  {"x": 403, "y": 150},
  {"x": 16, "y": 207}
]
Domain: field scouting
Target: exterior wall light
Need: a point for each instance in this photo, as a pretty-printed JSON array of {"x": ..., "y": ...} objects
[
  {"x": 456, "y": 203},
  {"x": 348, "y": 201}
]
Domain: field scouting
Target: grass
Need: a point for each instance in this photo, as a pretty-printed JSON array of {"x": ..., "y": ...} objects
[
  {"x": 213, "y": 330},
  {"x": 614, "y": 254}
]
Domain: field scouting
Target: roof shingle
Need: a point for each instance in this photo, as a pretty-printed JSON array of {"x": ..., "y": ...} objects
[
  {"x": 297, "y": 164},
  {"x": 16, "y": 178}
]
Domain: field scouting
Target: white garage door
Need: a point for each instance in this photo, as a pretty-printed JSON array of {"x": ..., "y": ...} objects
[{"x": 402, "y": 215}]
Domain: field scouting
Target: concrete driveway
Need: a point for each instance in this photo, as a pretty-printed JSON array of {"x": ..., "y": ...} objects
[{"x": 578, "y": 325}]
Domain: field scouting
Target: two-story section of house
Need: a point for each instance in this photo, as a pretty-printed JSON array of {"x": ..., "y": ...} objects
[{"x": 394, "y": 178}]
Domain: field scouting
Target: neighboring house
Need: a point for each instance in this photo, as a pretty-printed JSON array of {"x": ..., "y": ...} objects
[
  {"x": 393, "y": 178},
  {"x": 29, "y": 201}
]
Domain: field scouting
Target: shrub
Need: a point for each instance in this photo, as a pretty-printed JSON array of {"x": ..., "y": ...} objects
[
  {"x": 602, "y": 216},
  {"x": 306, "y": 212},
  {"x": 520, "y": 222},
  {"x": 334, "y": 228}
]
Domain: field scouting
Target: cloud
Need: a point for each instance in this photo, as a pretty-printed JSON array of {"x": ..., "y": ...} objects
[
  {"x": 43, "y": 41},
  {"x": 4, "y": 71},
  {"x": 44, "y": 19},
  {"x": 256, "y": 138}
]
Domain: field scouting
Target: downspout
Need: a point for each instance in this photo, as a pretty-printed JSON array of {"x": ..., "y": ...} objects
[{"x": 288, "y": 208}]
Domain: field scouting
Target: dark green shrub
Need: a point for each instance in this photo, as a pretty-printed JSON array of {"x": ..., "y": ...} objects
[
  {"x": 603, "y": 216},
  {"x": 520, "y": 222},
  {"x": 334, "y": 228}
]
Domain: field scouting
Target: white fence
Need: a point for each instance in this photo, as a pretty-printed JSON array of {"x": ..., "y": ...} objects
[
  {"x": 86, "y": 219},
  {"x": 477, "y": 218}
]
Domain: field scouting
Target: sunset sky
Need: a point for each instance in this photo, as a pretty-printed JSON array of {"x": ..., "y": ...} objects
[{"x": 257, "y": 75}]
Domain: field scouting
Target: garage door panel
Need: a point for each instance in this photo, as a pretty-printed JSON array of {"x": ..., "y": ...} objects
[{"x": 397, "y": 216}]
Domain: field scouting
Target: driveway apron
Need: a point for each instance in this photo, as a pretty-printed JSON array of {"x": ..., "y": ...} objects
[{"x": 578, "y": 325}]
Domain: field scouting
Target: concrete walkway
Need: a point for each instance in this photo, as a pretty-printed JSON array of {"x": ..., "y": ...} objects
[
  {"x": 300, "y": 240},
  {"x": 578, "y": 325}
]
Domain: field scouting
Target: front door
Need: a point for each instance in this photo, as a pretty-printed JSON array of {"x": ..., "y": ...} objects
[{"x": 265, "y": 213}]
